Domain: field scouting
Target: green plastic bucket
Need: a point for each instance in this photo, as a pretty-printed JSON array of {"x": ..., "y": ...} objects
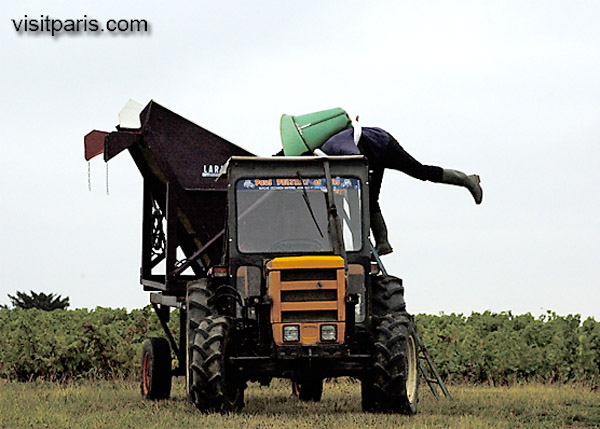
[{"x": 308, "y": 132}]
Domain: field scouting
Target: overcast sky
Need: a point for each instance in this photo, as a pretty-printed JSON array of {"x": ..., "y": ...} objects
[{"x": 509, "y": 90}]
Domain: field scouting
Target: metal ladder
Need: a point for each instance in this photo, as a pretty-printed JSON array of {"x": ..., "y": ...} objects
[
  {"x": 423, "y": 356},
  {"x": 436, "y": 379}
]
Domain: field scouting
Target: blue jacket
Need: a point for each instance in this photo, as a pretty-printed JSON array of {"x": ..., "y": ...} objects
[{"x": 372, "y": 144}]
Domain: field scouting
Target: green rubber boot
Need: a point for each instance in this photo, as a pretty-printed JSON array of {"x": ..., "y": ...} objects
[
  {"x": 382, "y": 245},
  {"x": 458, "y": 178}
]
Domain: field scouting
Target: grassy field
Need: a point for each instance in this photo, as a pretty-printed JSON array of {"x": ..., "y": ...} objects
[{"x": 118, "y": 404}]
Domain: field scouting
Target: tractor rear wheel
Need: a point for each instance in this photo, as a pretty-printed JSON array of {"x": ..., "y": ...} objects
[
  {"x": 387, "y": 295},
  {"x": 199, "y": 307},
  {"x": 214, "y": 383},
  {"x": 309, "y": 389},
  {"x": 198, "y": 303},
  {"x": 156, "y": 369},
  {"x": 393, "y": 384}
]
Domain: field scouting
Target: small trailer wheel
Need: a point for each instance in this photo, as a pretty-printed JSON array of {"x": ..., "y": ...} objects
[{"x": 156, "y": 369}]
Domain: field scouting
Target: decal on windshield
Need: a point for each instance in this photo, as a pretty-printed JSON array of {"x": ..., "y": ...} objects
[{"x": 295, "y": 183}]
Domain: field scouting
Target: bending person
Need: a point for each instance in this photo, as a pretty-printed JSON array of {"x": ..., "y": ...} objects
[{"x": 383, "y": 151}]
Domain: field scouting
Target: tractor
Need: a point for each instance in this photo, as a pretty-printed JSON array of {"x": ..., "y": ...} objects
[{"x": 269, "y": 263}]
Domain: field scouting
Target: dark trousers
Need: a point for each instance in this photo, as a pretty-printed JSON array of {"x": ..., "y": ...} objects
[{"x": 395, "y": 157}]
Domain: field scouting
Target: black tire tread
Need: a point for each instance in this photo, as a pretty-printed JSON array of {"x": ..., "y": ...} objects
[
  {"x": 198, "y": 303},
  {"x": 384, "y": 389},
  {"x": 387, "y": 295},
  {"x": 209, "y": 389}
]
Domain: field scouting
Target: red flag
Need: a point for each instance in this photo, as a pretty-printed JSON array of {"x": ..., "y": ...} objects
[{"x": 93, "y": 143}]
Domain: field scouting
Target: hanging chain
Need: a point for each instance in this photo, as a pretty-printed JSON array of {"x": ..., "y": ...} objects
[
  {"x": 90, "y": 178},
  {"x": 107, "y": 193}
]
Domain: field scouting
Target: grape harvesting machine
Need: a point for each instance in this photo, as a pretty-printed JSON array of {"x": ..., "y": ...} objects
[{"x": 268, "y": 260}]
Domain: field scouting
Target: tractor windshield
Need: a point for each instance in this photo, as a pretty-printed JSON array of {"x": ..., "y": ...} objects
[{"x": 289, "y": 215}]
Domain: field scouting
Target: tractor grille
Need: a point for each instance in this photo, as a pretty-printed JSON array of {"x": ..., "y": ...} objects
[
  {"x": 309, "y": 316},
  {"x": 308, "y": 295},
  {"x": 307, "y": 291},
  {"x": 308, "y": 275}
]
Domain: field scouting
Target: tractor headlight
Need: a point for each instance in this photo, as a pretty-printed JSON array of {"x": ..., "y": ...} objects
[
  {"x": 291, "y": 333},
  {"x": 328, "y": 332}
]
